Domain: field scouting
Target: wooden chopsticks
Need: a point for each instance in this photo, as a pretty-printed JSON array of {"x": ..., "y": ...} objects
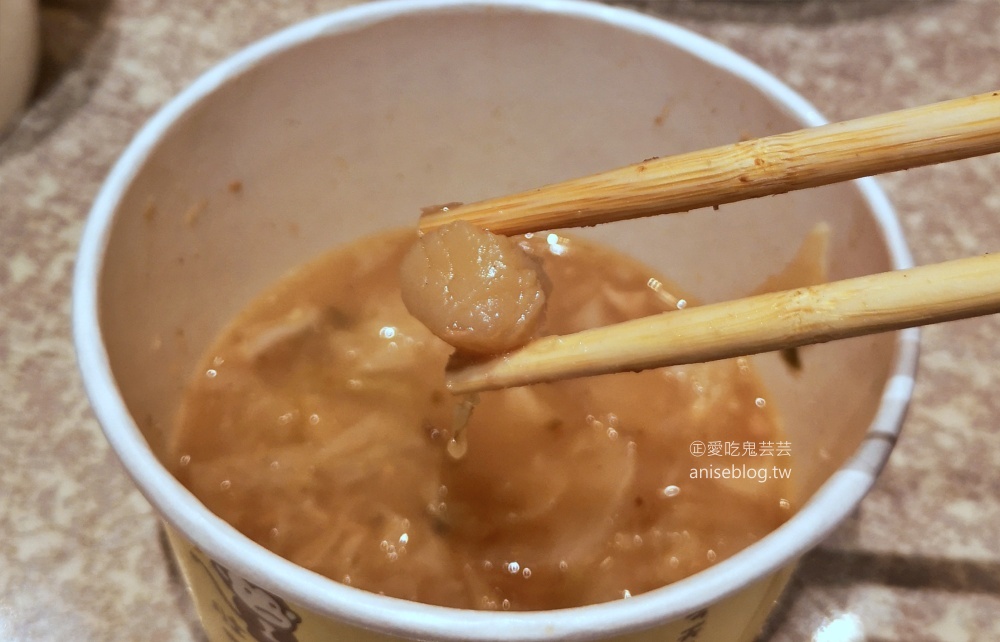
[
  {"x": 935, "y": 133},
  {"x": 865, "y": 305},
  {"x": 947, "y": 291}
]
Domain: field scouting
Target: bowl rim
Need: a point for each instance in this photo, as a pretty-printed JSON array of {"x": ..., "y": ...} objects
[{"x": 827, "y": 507}]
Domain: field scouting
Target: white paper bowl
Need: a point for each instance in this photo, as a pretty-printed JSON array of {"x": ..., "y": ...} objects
[{"x": 349, "y": 123}]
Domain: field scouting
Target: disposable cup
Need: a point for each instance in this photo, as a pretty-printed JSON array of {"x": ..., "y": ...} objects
[{"x": 347, "y": 124}]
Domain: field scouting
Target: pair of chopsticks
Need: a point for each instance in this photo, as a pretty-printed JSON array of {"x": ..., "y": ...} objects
[{"x": 947, "y": 291}]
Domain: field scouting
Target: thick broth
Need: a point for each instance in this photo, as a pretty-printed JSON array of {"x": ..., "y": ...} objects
[{"x": 319, "y": 426}]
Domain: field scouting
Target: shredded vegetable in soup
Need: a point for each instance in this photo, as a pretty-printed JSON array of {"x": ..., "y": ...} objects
[{"x": 318, "y": 424}]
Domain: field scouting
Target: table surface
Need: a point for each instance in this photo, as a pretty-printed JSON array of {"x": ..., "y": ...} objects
[{"x": 82, "y": 555}]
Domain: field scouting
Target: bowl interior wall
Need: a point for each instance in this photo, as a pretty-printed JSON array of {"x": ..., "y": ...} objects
[{"x": 355, "y": 131}]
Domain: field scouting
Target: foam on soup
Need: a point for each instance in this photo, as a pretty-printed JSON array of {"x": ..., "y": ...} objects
[{"x": 318, "y": 424}]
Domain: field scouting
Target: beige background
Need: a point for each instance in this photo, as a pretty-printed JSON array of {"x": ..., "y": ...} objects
[{"x": 81, "y": 555}]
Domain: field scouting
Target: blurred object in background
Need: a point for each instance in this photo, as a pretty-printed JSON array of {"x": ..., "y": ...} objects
[{"x": 18, "y": 56}]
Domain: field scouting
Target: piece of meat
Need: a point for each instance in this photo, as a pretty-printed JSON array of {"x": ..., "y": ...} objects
[{"x": 480, "y": 292}]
